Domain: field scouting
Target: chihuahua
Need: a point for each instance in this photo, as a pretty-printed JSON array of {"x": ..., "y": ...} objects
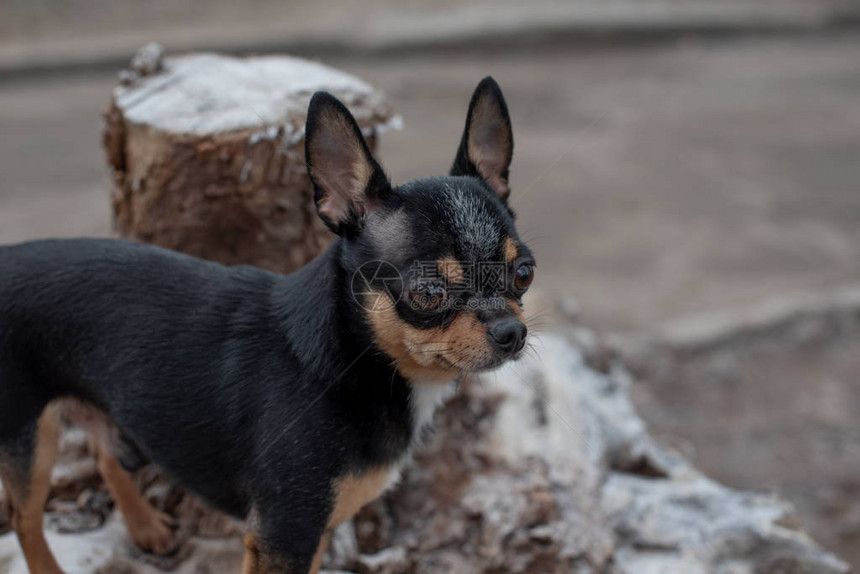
[{"x": 289, "y": 401}]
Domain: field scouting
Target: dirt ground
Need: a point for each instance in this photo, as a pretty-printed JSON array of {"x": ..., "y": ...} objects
[
  {"x": 777, "y": 414},
  {"x": 653, "y": 182}
]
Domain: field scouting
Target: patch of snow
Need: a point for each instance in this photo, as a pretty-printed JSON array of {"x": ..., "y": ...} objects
[
  {"x": 209, "y": 93},
  {"x": 266, "y": 134}
]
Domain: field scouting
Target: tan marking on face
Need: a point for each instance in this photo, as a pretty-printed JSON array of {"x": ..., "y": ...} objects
[
  {"x": 258, "y": 559},
  {"x": 511, "y": 250},
  {"x": 517, "y": 310},
  {"x": 354, "y": 491},
  {"x": 254, "y": 561},
  {"x": 451, "y": 270},
  {"x": 430, "y": 355},
  {"x": 323, "y": 546}
]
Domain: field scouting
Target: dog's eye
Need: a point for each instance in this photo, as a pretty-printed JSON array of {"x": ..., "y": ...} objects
[
  {"x": 524, "y": 276},
  {"x": 428, "y": 296}
]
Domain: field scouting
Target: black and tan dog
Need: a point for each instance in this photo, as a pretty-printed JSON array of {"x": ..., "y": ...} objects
[{"x": 286, "y": 400}]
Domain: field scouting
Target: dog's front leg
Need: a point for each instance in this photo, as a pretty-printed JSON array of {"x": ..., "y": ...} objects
[
  {"x": 258, "y": 558},
  {"x": 262, "y": 558}
]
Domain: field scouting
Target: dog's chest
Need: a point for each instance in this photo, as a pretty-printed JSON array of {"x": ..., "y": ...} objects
[
  {"x": 354, "y": 491},
  {"x": 425, "y": 398}
]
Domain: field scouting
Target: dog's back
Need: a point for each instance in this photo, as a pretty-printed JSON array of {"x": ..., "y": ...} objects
[
  {"x": 68, "y": 310},
  {"x": 58, "y": 299}
]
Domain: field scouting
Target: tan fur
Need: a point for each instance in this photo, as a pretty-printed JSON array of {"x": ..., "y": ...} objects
[
  {"x": 430, "y": 355},
  {"x": 518, "y": 311},
  {"x": 28, "y": 500},
  {"x": 148, "y": 527},
  {"x": 257, "y": 561},
  {"x": 511, "y": 250},
  {"x": 451, "y": 270},
  {"x": 353, "y": 492}
]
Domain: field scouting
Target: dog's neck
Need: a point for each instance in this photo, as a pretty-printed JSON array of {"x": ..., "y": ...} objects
[
  {"x": 317, "y": 312},
  {"x": 326, "y": 327}
]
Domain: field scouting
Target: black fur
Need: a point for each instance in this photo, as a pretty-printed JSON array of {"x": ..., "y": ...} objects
[{"x": 252, "y": 389}]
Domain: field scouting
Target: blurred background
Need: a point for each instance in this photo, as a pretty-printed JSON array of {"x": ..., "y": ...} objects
[{"x": 687, "y": 171}]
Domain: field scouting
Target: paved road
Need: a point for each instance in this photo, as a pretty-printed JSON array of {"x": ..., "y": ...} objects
[{"x": 654, "y": 182}]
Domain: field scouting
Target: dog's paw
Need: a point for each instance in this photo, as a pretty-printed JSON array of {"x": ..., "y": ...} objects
[{"x": 153, "y": 531}]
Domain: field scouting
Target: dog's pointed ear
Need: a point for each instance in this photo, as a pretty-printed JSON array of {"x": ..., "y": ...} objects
[
  {"x": 488, "y": 142},
  {"x": 347, "y": 180}
]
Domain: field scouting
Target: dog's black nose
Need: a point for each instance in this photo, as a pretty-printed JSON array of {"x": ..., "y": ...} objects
[{"x": 508, "y": 335}]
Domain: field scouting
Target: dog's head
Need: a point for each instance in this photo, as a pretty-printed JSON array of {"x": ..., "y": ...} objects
[{"x": 435, "y": 265}]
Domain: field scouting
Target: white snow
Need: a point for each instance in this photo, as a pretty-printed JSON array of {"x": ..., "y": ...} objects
[{"x": 209, "y": 93}]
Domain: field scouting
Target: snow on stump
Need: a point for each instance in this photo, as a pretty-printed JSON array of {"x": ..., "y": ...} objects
[{"x": 207, "y": 154}]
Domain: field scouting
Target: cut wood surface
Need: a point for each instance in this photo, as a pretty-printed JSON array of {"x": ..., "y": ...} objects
[{"x": 207, "y": 154}]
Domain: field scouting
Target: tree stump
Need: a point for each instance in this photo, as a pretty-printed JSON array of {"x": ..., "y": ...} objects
[{"x": 207, "y": 154}]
